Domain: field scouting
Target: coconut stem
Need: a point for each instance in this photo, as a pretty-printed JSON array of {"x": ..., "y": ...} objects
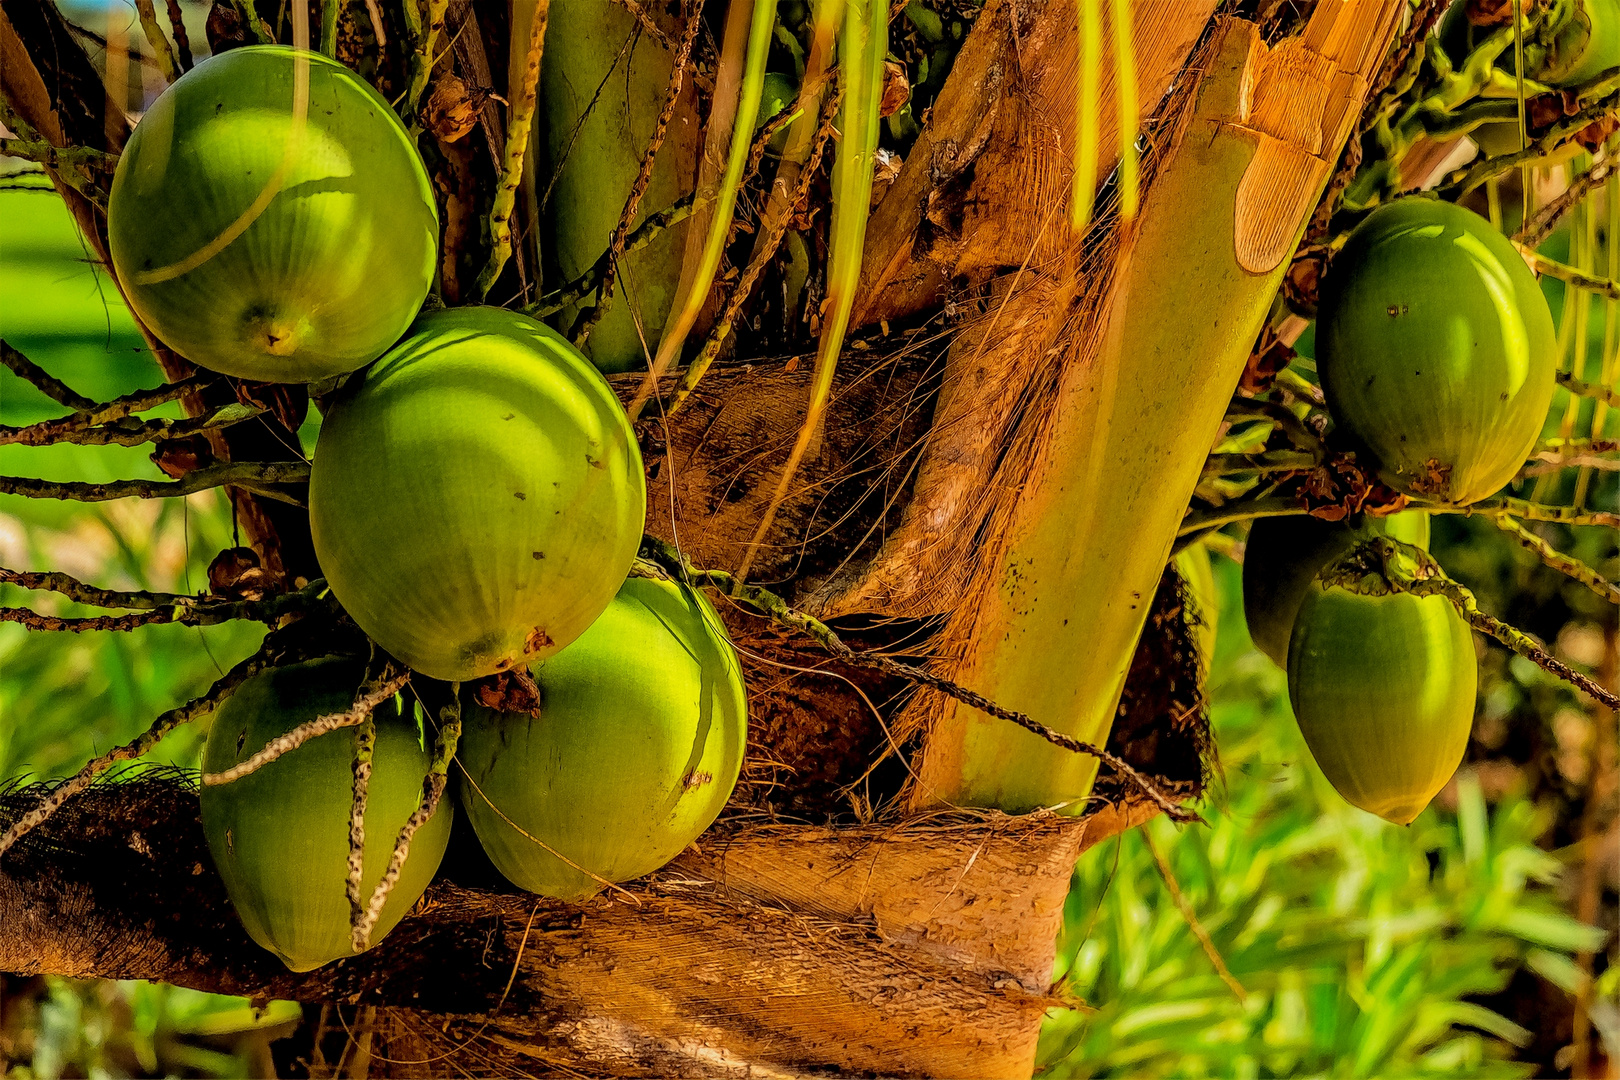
[
  {"x": 372, "y": 693},
  {"x": 517, "y": 143},
  {"x": 1465, "y": 180},
  {"x": 160, "y": 44},
  {"x": 1569, "y": 275},
  {"x": 259, "y": 477},
  {"x": 663, "y": 560},
  {"x": 444, "y": 748},
  {"x": 182, "y": 43},
  {"x": 1545, "y": 221},
  {"x": 126, "y": 432},
  {"x": 183, "y": 610},
  {"x": 1384, "y": 565},
  {"x": 1564, "y": 564},
  {"x": 621, "y": 231},
  {"x": 24, "y": 368},
  {"x": 162, "y": 726},
  {"x": 365, "y": 743},
  {"x": 760, "y": 258},
  {"x": 58, "y": 158},
  {"x": 592, "y": 279},
  {"x": 329, "y": 22},
  {"x": 426, "y": 44}
]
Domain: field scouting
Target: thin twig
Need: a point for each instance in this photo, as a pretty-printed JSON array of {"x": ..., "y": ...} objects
[
  {"x": 1186, "y": 908},
  {"x": 371, "y": 694},
  {"x": 126, "y": 431},
  {"x": 1582, "y": 388},
  {"x": 259, "y": 477},
  {"x": 648, "y": 24},
  {"x": 1531, "y": 511},
  {"x": 444, "y": 748},
  {"x": 159, "y": 43},
  {"x": 1465, "y": 180},
  {"x": 1569, "y": 275},
  {"x": 187, "y": 612},
  {"x": 517, "y": 144},
  {"x": 761, "y": 258},
  {"x": 93, "y": 414},
  {"x": 632, "y": 204},
  {"x": 1385, "y": 565},
  {"x": 590, "y": 280},
  {"x": 162, "y": 726},
  {"x": 365, "y": 744},
  {"x": 1564, "y": 564},
  {"x": 43, "y": 381},
  {"x": 661, "y": 559},
  {"x": 182, "y": 42},
  {"x": 59, "y": 157},
  {"x": 1545, "y": 221}
]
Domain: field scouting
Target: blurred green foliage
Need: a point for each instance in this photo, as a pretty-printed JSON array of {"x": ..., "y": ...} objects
[{"x": 1359, "y": 944}]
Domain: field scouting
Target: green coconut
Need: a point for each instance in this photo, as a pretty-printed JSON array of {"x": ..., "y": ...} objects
[
  {"x": 635, "y": 749},
  {"x": 1436, "y": 350},
  {"x": 1283, "y": 555},
  {"x": 477, "y": 496},
  {"x": 316, "y": 281},
  {"x": 280, "y": 835},
  {"x": 1383, "y": 689}
]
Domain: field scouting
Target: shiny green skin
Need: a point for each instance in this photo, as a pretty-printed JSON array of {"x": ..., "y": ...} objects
[
  {"x": 637, "y": 747},
  {"x": 1383, "y": 688},
  {"x": 1587, "y": 46},
  {"x": 1283, "y": 555},
  {"x": 280, "y": 835},
  {"x": 335, "y": 267},
  {"x": 477, "y": 495},
  {"x": 1436, "y": 350}
]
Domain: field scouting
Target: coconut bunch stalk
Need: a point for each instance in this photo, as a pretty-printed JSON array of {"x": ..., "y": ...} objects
[{"x": 1052, "y": 633}]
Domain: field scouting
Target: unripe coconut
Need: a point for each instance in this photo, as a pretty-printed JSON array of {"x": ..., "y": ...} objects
[
  {"x": 635, "y": 750},
  {"x": 477, "y": 496},
  {"x": 280, "y": 835},
  {"x": 1283, "y": 555},
  {"x": 269, "y": 241},
  {"x": 1383, "y": 689},
  {"x": 1436, "y": 349}
]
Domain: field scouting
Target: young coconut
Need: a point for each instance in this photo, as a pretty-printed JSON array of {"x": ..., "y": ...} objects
[
  {"x": 634, "y": 749},
  {"x": 1436, "y": 349},
  {"x": 270, "y": 218},
  {"x": 1283, "y": 555},
  {"x": 280, "y": 834},
  {"x": 1383, "y": 690},
  {"x": 477, "y": 495}
]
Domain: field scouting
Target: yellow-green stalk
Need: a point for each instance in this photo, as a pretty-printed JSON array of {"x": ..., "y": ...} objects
[
  {"x": 1129, "y": 108},
  {"x": 696, "y": 291},
  {"x": 1086, "y": 119},
  {"x": 1139, "y": 406},
  {"x": 862, "y": 46},
  {"x": 517, "y": 145}
]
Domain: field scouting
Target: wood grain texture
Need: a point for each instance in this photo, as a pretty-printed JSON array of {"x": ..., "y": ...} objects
[{"x": 780, "y": 950}]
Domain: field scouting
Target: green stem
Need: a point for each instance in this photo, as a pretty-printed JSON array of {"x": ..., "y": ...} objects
[
  {"x": 862, "y": 48},
  {"x": 1569, "y": 275},
  {"x": 696, "y": 292},
  {"x": 1125, "y": 93},
  {"x": 1503, "y": 505},
  {"x": 329, "y": 23},
  {"x": 259, "y": 477},
  {"x": 517, "y": 144},
  {"x": 1199, "y": 519},
  {"x": 1264, "y": 462},
  {"x": 1564, "y": 564},
  {"x": 1465, "y": 180},
  {"x": 1086, "y": 120}
]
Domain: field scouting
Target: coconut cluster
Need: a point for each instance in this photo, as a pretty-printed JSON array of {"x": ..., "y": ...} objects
[
  {"x": 477, "y": 499},
  {"x": 1436, "y": 352}
]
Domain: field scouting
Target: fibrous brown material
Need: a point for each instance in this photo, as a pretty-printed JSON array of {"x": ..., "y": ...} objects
[{"x": 919, "y": 948}]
